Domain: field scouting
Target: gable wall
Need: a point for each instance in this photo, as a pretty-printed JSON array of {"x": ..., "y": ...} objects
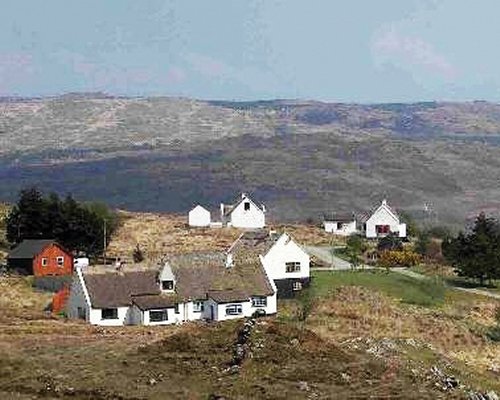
[
  {"x": 253, "y": 218},
  {"x": 51, "y": 253},
  {"x": 199, "y": 216},
  {"x": 284, "y": 251},
  {"x": 381, "y": 217}
]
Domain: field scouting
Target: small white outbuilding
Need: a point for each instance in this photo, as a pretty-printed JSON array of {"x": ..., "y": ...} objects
[{"x": 199, "y": 216}]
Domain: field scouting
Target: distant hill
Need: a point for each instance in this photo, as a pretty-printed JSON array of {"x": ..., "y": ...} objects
[{"x": 299, "y": 157}]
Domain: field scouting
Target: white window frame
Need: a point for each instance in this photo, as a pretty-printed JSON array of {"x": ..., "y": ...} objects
[
  {"x": 295, "y": 267},
  {"x": 234, "y": 309},
  {"x": 297, "y": 286},
  {"x": 198, "y": 306},
  {"x": 60, "y": 261},
  {"x": 259, "y": 301},
  {"x": 164, "y": 312},
  {"x": 45, "y": 261}
]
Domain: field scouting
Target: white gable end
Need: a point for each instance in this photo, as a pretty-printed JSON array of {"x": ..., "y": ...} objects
[
  {"x": 199, "y": 216},
  {"x": 247, "y": 215},
  {"x": 283, "y": 253}
]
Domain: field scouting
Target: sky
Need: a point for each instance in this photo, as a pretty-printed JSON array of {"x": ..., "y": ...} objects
[{"x": 339, "y": 51}]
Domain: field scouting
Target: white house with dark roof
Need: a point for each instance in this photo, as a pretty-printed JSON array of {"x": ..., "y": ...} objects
[
  {"x": 199, "y": 217},
  {"x": 340, "y": 224},
  {"x": 244, "y": 213},
  {"x": 286, "y": 263},
  {"x": 185, "y": 288},
  {"x": 383, "y": 221}
]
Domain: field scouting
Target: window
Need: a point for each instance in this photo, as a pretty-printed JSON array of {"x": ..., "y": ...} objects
[
  {"x": 296, "y": 286},
  {"x": 198, "y": 306},
  {"x": 246, "y": 205},
  {"x": 176, "y": 308},
  {"x": 109, "y": 313},
  {"x": 167, "y": 285},
  {"x": 45, "y": 262},
  {"x": 259, "y": 301},
  {"x": 293, "y": 266},
  {"x": 234, "y": 309},
  {"x": 60, "y": 261},
  {"x": 340, "y": 226},
  {"x": 383, "y": 228},
  {"x": 158, "y": 315}
]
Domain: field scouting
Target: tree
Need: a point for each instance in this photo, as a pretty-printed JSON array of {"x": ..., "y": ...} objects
[
  {"x": 355, "y": 247},
  {"x": 137, "y": 254},
  {"x": 411, "y": 226},
  {"x": 389, "y": 242},
  {"x": 78, "y": 227},
  {"x": 422, "y": 243},
  {"x": 476, "y": 254}
]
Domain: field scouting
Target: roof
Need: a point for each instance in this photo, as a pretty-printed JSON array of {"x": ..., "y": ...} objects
[
  {"x": 115, "y": 289},
  {"x": 197, "y": 276},
  {"x": 253, "y": 243},
  {"x": 151, "y": 302},
  {"x": 227, "y": 296},
  {"x": 228, "y": 208},
  {"x": 385, "y": 205},
  {"x": 29, "y": 248},
  {"x": 339, "y": 217}
]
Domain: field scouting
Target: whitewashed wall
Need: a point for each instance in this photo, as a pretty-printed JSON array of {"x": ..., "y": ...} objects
[
  {"x": 253, "y": 218},
  {"x": 199, "y": 217},
  {"x": 382, "y": 216},
  {"x": 348, "y": 228},
  {"x": 77, "y": 297},
  {"x": 285, "y": 250}
]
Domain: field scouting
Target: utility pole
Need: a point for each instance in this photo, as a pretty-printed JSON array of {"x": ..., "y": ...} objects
[{"x": 104, "y": 240}]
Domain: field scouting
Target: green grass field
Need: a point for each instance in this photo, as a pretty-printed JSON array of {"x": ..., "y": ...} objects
[{"x": 408, "y": 290}]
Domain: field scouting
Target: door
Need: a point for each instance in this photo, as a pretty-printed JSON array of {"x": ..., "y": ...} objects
[{"x": 212, "y": 312}]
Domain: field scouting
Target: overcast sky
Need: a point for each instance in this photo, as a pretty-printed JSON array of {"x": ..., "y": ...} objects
[{"x": 349, "y": 51}]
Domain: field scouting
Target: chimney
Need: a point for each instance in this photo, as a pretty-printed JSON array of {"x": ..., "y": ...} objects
[{"x": 229, "y": 260}]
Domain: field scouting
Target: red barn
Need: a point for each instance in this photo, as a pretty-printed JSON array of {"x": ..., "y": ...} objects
[{"x": 40, "y": 258}]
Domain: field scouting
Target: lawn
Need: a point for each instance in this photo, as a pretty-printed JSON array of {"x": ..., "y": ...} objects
[{"x": 407, "y": 289}]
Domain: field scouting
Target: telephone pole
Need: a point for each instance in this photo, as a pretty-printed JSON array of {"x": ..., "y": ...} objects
[{"x": 104, "y": 240}]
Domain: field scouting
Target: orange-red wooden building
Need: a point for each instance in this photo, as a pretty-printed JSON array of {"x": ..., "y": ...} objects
[{"x": 40, "y": 257}]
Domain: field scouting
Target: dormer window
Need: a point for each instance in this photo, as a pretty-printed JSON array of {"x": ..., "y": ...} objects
[
  {"x": 167, "y": 279},
  {"x": 246, "y": 205}
]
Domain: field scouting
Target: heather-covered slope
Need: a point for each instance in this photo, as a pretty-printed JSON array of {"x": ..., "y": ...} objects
[{"x": 300, "y": 158}]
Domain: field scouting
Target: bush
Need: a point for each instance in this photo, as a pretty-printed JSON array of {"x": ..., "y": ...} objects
[{"x": 398, "y": 258}]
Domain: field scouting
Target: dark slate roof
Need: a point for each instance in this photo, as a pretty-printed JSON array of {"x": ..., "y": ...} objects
[
  {"x": 151, "y": 302},
  {"x": 29, "y": 248},
  {"x": 339, "y": 217},
  {"x": 115, "y": 289}
]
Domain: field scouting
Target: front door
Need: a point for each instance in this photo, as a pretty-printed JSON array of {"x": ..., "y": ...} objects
[{"x": 212, "y": 312}]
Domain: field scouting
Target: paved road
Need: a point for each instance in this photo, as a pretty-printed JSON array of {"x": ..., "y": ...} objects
[
  {"x": 337, "y": 264},
  {"x": 325, "y": 255}
]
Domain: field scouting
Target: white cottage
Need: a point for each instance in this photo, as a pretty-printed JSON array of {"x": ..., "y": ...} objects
[
  {"x": 199, "y": 217},
  {"x": 285, "y": 261},
  {"x": 383, "y": 221},
  {"x": 340, "y": 224},
  {"x": 245, "y": 213},
  {"x": 186, "y": 288}
]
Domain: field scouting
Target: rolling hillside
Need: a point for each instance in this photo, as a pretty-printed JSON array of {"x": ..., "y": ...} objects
[{"x": 299, "y": 157}]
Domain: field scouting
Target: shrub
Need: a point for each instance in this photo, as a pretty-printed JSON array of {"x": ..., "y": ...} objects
[{"x": 398, "y": 258}]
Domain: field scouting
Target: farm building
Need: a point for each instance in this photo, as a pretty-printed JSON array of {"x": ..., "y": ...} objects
[
  {"x": 40, "y": 257},
  {"x": 340, "y": 224},
  {"x": 199, "y": 217}
]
